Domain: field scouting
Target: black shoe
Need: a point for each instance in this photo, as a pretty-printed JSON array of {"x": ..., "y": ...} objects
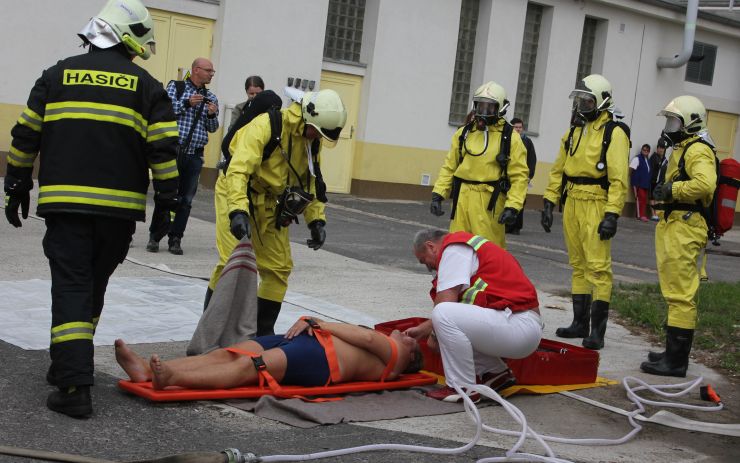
[
  {"x": 75, "y": 401},
  {"x": 152, "y": 245},
  {"x": 174, "y": 246},
  {"x": 655, "y": 356},
  {"x": 599, "y": 317},
  {"x": 579, "y": 326},
  {"x": 675, "y": 362}
]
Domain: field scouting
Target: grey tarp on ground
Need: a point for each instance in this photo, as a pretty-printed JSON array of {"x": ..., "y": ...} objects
[{"x": 231, "y": 315}]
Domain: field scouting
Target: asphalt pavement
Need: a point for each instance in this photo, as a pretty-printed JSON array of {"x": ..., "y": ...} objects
[{"x": 365, "y": 273}]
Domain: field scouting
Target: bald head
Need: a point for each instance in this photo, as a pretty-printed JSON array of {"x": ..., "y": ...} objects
[{"x": 202, "y": 71}]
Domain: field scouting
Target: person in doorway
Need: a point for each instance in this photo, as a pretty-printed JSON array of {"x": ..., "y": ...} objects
[
  {"x": 297, "y": 358},
  {"x": 95, "y": 152},
  {"x": 518, "y": 125},
  {"x": 640, "y": 180},
  {"x": 656, "y": 161},
  {"x": 594, "y": 180},
  {"x": 685, "y": 187},
  {"x": 485, "y": 308},
  {"x": 485, "y": 172},
  {"x": 252, "y": 86},
  {"x": 196, "y": 109},
  {"x": 271, "y": 181}
]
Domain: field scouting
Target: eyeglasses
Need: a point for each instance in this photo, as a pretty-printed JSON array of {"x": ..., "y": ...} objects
[{"x": 208, "y": 70}]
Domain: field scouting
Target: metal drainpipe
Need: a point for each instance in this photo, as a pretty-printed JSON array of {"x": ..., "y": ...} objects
[{"x": 689, "y": 29}]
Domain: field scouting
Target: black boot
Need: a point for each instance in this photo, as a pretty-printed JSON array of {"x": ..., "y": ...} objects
[
  {"x": 676, "y": 359},
  {"x": 153, "y": 244},
  {"x": 174, "y": 245},
  {"x": 656, "y": 356},
  {"x": 579, "y": 327},
  {"x": 267, "y": 314},
  {"x": 74, "y": 401},
  {"x": 209, "y": 293},
  {"x": 599, "y": 316}
]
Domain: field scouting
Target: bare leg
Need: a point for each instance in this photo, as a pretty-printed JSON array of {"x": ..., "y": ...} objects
[
  {"x": 135, "y": 367},
  {"x": 211, "y": 358},
  {"x": 239, "y": 371}
]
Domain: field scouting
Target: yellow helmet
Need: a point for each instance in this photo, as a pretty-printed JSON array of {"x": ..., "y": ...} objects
[
  {"x": 122, "y": 21},
  {"x": 325, "y": 111},
  {"x": 592, "y": 95},
  {"x": 490, "y": 103}
]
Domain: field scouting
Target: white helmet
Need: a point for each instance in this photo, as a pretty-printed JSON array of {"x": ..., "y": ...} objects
[
  {"x": 490, "y": 103},
  {"x": 122, "y": 21},
  {"x": 685, "y": 115},
  {"x": 593, "y": 94},
  {"x": 324, "y": 110}
]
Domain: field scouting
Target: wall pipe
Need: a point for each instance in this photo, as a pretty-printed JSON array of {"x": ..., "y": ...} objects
[{"x": 692, "y": 8}]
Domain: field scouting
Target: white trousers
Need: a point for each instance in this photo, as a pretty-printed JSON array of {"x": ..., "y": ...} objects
[{"x": 473, "y": 339}]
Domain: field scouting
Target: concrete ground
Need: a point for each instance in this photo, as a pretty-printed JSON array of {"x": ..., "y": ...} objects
[{"x": 364, "y": 274}]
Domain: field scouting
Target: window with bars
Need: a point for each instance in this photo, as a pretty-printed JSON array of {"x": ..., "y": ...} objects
[
  {"x": 700, "y": 68},
  {"x": 343, "y": 38},
  {"x": 459, "y": 106},
  {"x": 588, "y": 42},
  {"x": 527, "y": 62}
]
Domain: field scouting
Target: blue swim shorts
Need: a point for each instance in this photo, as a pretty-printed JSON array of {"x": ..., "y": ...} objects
[{"x": 307, "y": 364}]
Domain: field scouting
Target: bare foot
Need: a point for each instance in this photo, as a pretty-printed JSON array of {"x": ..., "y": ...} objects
[
  {"x": 161, "y": 373},
  {"x": 135, "y": 367}
]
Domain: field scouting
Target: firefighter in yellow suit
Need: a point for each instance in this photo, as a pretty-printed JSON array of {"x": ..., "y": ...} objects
[
  {"x": 266, "y": 195},
  {"x": 686, "y": 186},
  {"x": 595, "y": 187},
  {"x": 487, "y": 185}
]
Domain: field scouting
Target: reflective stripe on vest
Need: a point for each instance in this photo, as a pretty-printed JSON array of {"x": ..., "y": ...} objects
[
  {"x": 20, "y": 158},
  {"x": 72, "y": 331},
  {"x": 468, "y": 296},
  {"x": 91, "y": 195},
  {"x": 30, "y": 119},
  {"x": 476, "y": 242},
  {"x": 97, "y": 112},
  {"x": 164, "y": 170},
  {"x": 161, "y": 130}
]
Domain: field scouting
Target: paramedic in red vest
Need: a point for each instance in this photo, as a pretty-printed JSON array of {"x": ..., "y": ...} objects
[
  {"x": 681, "y": 233},
  {"x": 472, "y": 176},
  {"x": 258, "y": 202},
  {"x": 485, "y": 308},
  {"x": 98, "y": 123},
  {"x": 595, "y": 197}
]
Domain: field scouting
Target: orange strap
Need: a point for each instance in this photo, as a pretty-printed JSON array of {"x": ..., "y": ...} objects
[
  {"x": 325, "y": 339},
  {"x": 392, "y": 361}
]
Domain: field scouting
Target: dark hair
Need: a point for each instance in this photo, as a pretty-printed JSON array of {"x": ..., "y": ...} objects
[
  {"x": 254, "y": 81},
  {"x": 516, "y": 120},
  {"x": 416, "y": 363},
  {"x": 646, "y": 146},
  {"x": 662, "y": 144}
]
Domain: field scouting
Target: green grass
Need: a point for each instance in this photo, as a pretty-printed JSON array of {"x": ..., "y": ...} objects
[{"x": 719, "y": 318}]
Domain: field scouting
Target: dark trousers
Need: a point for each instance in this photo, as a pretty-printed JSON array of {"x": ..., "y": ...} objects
[
  {"x": 83, "y": 251},
  {"x": 189, "y": 167}
]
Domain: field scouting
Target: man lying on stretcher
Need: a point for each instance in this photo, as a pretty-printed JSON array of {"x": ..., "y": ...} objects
[{"x": 301, "y": 357}]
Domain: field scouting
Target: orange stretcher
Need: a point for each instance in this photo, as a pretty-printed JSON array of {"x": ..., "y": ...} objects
[{"x": 175, "y": 394}]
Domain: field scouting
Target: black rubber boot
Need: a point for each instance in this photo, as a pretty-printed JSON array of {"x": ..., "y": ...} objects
[
  {"x": 656, "y": 356},
  {"x": 267, "y": 314},
  {"x": 209, "y": 293},
  {"x": 676, "y": 359},
  {"x": 579, "y": 327},
  {"x": 174, "y": 245},
  {"x": 74, "y": 401},
  {"x": 153, "y": 244},
  {"x": 599, "y": 317}
]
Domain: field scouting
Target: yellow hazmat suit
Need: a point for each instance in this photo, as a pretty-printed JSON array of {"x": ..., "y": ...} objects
[
  {"x": 267, "y": 180},
  {"x": 586, "y": 205},
  {"x": 680, "y": 237},
  {"x": 476, "y": 172}
]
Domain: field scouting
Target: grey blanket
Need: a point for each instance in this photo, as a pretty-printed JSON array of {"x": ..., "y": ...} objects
[
  {"x": 231, "y": 315},
  {"x": 371, "y": 406}
]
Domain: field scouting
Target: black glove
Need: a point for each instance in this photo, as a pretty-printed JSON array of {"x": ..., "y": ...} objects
[
  {"x": 240, "y": 225},
  {"x": 17, "y": 195},
  {"x": 663, "y": 191},
  {"x": 318, "y": 234},
  {"x": 608, "y": 226},
  {"x": 436, "y": 206},
  {"x": 508, "y": 217},
  {"x": 546, "y": 219}
]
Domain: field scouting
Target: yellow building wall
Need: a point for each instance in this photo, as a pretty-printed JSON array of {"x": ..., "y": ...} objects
[{"x": 8, "y": 116}]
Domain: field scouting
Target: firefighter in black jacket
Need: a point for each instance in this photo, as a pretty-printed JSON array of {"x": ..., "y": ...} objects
[{"x": 100, "y": 123}]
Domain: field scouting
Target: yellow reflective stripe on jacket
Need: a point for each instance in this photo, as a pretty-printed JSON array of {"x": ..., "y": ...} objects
[
  {"x": 164, "y": 170},
  {"x": 31, "y": 119},
  {"x": 92, "y": 195},
  {"x": 468, "y": 296},
  {"x": 72, "y": 331},
  {"x": 476, "y": 242},
  {"x": 161, "y": 130},
  {"x": 96, "y": 111},
  {"x": 19, "y": 158}
]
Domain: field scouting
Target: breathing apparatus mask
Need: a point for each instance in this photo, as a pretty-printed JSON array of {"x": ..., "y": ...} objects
[
  {"x": 584, "y": 108},
  {"x": 291, "y": 203},
  {"x": 673, "y": 132},
  {"x": 486, "y": 112}
]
